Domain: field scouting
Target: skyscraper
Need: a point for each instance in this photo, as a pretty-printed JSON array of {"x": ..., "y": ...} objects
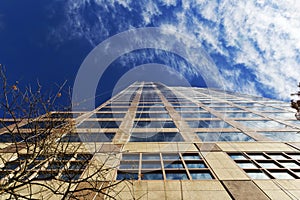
[{"x": 182, "y": 143}]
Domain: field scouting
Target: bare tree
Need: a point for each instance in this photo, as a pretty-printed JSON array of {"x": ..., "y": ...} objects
[{"x": 35, "y": 162}]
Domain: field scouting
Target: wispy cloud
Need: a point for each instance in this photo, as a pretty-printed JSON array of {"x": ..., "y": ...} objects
[{"x": 258, "y": 40}]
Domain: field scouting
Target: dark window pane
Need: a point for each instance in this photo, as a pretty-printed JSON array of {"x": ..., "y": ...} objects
[
  {"x": 177, "y": 165},
  {"x": 257, "y": 175},
  {"x": 156, "y": 137},
  {"x": 282, "y": 175},
  {"x": 152, "y": 176},
  {"x": 154, "y": 124},
  {"x": 78, "y": 165},
  {"x": 150, "y": 165},
  {"x": 224, "y": 136},
  {"x": 127, "y": 176},
  {"x": 200, "y": 175},
  {"x": 65, "y": 115},
  {"x": 246, "y": 165},
  {"x": 197, "y": 115},
  {"x": 171, "y": 157},
  {"x": 129, "y": 165},
  {"x": 237, "y": 156},
  {"x": 11, "y": 165},
  {"x": 56, "y": 165},
  {"x": 88, "y": 137},
  {"x": 108, "y": 115},
  {"x": 209, "y": 124},
  {"x": 151, "y": 157},
  {"x": 69, "y": 175},
  {"x": 131, "y": 157},
  {"x": 99, "y": 124},
  {"x": 268, "y": 165},
  {"x": 176, "y": 175},
  {"x": 195, "y": 165},
  {"x": 191, "y": 156},
  {"x": 46, "y": 175},
  {"x": 84, "y": 156}
]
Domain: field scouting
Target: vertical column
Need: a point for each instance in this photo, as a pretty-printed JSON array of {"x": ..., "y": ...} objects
[
  {"x": 123, "y": 133},
  {"x": 186, "y": 132}
]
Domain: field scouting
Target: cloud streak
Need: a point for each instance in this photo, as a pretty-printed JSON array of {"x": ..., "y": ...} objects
[{"x": 256, "y": 43}]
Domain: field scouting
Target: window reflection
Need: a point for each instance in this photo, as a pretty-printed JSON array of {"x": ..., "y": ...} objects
[{"x": 224, "y": 136}]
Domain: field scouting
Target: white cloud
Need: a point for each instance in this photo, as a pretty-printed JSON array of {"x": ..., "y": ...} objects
[
  {"x": 150, "y": 10},
  {"x": 262, "y": 35}
]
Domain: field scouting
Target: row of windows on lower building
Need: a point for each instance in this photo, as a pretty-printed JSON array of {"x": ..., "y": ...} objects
[
  {"x": 160, "y": 166},
  {"x": 64, "y": 166},
  {"x": 149, "y": 136},
  {"x": 269, "y": 165},
  {"x": 157, "y": 166}
]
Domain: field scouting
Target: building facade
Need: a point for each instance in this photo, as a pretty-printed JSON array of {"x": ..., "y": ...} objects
[{"x": 179, "y": 143}]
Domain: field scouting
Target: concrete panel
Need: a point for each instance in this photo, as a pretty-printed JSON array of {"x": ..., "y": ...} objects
[{"x": 244, "y": 190}]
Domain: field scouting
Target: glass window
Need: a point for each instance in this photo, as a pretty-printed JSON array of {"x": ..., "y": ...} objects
[
  {"x": 197, "y": 115},
  {"x": 108, "y": 115},
  {"x": 280, "y": 115},
  {"x": 65, "y": 115},
  {"x": 191, "y": 156},
  {"x": 240, "y": 115},
  {"x": 56, "y": 165},
  {"x": 88, "y": 137},
  {"x": 176, "y": 175},
  {"x": 195, "y": 165},
  {"x": 282, "y": 136},
  {"x": 156, "y": 137},
  {"x": 6, "y": 123},
  {"x": 71, "y": 175},
  {"x": 11, "y": 165},
  {"x": 257, "y": 156},
  {"x": 152, "y": 115},
  {"x": 150, "y": 165},
  {"x": 84, "y": 156},
  {"x": 208, "y": 124},
  {"x": 112, "y": 108},
  {"x": 131, "y": 157},
  {"x": 151, "y": 109},
  {"x": 237, "y": 156},
  {"x": 173, "y": 165},
  {"x": 129, "y": 165},
  {"x": 154, "y": 124},
  {"x": 64, "y": 157},
  {"x": 127, "y": 175},
  {"x": 151, "y": 157},
  {"x": 224, "y": 136},
  {"x": 226, "y": 108},
  {"x": 43, "y": 124},
  {"x": 262, "y": 108},
  {"x": 77, "y": 165},
  {"x": 46, "y": 175},
  {"x": 282, "y": 175},
  {"x": 268, "y": 165},
  {"x": 171, "y": 157},
  {"x": 277, "y": 156},
  {"x": 257, "y": 175},
  {"x": 99, "y": 124},
  {"x": 157, "y": 175},
  {"x": 261, "y": 124},
  {"x": 200, "y": 175},
  {"x": 246, "y": 165},
  {"x": 195, "y": 109},
  {"x": 151, "y": 104},
  {"x": 295, "y": 156},
  {"x": 289, "y": 164}
]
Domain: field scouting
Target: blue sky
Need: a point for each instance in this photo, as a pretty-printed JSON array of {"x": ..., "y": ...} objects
[{"x": 254, "y": 44}]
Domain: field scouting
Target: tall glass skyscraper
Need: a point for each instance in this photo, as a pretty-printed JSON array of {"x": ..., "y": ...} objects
[{"x": 185, "y": 143}]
